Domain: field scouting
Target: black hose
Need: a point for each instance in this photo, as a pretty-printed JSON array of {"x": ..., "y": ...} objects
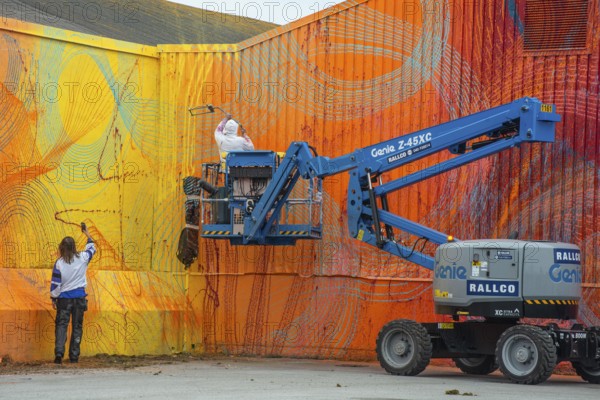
[
  {"x": 207, "y": 187},
  {"x": 412, "y": 251},
  {"x": 193, "y": 185}
]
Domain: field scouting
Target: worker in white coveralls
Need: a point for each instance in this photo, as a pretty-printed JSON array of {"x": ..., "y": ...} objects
[{"x": 226, "y": 136}]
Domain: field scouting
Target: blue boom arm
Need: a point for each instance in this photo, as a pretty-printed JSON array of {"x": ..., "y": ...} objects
[{"x": 503, "y": 127}]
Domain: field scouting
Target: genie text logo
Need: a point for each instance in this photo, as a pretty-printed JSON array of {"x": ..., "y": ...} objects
[
  {"x": 451, "y": 272},
  {"x": 562, "y": 274}
]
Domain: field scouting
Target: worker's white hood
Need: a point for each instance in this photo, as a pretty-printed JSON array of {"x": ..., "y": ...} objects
[{"x": 231, "y": 128}]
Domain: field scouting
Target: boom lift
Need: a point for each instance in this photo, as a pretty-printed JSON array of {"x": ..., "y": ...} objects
[{"x": 254, "y": 200}]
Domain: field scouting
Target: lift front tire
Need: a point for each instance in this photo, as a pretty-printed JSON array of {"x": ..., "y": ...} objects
[
  {"x": 404, "y": 347},
  {"x": 587, "y": 373},
  {"x": 526, "y": 354},
  {"x": 483, "y": 365}
]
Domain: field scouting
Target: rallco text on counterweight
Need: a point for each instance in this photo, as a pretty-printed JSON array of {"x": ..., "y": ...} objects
[
  {"x": 493, "y": 288},
  {"x": 567, "y": 256}
]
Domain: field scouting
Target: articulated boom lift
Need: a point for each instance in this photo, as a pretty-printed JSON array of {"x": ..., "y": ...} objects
[
  {"x": 525, "y": 120},
  {"x": 501, "y": 281}
]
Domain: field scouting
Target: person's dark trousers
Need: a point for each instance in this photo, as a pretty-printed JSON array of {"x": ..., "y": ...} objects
[{"x": 65, "y": 310}]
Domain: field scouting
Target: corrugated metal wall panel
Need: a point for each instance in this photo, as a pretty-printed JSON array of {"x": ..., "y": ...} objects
[
  {"x": 393, "y": 67},
  {"x": 80, "y": 141},
  {"x": 374, "y": 70}
]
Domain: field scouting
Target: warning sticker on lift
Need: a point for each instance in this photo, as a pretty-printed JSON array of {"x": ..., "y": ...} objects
[{"x": 408, "y": 153}]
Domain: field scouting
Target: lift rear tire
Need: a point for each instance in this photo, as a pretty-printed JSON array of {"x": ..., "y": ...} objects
[
  {"x": 404, "y": 347},
  {"x": 526, "y": 354},
  {"x": 587, "y": 373},
  {"x": 483, "y": 365}
]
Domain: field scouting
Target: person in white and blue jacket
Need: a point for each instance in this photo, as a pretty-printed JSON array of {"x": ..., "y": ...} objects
[{"x": 67, "y": 291}]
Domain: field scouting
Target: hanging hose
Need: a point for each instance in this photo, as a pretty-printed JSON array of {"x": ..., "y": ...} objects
[{"x": 187, "y": 248}]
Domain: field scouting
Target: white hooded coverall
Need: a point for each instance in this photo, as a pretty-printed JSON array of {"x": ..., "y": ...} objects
[{"x": 228, "y": 140}]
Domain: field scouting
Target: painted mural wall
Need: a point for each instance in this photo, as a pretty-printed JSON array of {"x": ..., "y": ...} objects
[
  {"x": 113, "y": 148},
  {"x": 80, "y": 142},
  {"x": 362, "y": 73}
]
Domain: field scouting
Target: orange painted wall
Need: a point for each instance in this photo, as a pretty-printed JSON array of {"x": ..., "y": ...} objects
[{"x": 367, "y": 71}]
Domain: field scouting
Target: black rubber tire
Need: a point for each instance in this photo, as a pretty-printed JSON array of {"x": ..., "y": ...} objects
[
  {"x": 526, "y": 354},
  {"x": 482, "y": 365},
  {"x": 404, "y": 347},
  {"x": 588, "y": 374}
]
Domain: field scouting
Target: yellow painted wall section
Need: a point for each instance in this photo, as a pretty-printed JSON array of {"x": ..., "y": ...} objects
[{"x": 79, "y": 136}]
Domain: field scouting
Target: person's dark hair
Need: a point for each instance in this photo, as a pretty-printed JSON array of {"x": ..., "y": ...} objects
[{"x": 68, "y": 250}]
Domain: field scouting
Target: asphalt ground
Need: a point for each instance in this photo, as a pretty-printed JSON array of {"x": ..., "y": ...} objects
[{"x": 264, "y": 379}]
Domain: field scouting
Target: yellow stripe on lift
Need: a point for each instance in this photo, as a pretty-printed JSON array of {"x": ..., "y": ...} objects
[{"x": 553, "y": 302}]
